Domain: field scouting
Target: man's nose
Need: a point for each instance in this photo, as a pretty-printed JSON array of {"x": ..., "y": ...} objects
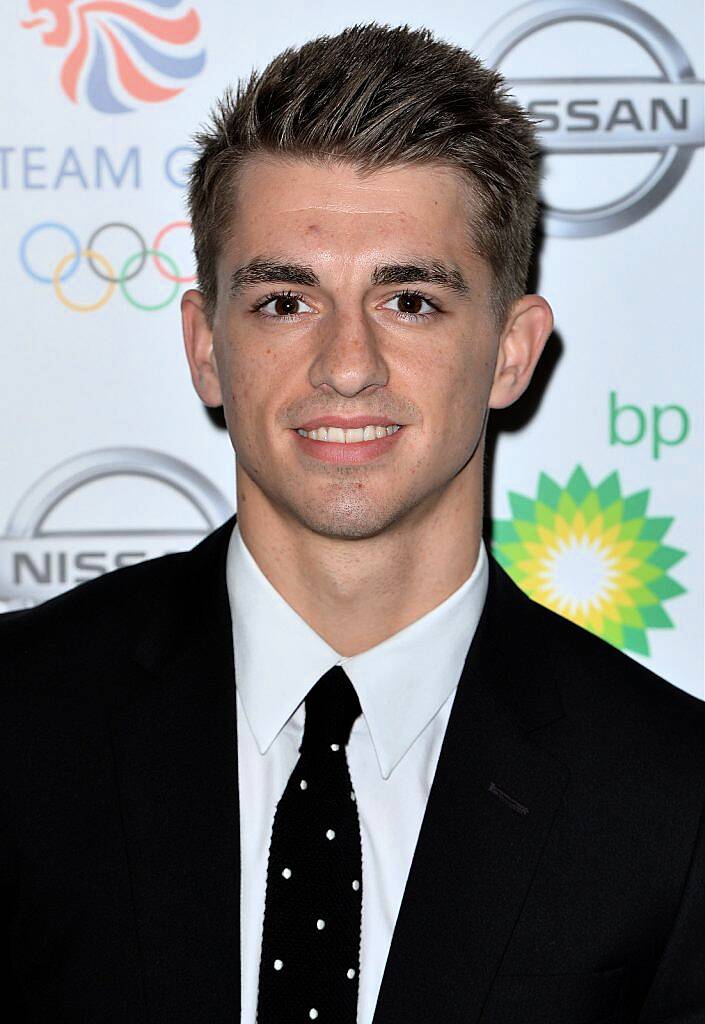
[{"x": 349, "y": 357}]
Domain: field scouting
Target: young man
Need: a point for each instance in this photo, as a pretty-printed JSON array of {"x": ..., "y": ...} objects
[{"x": 333, "y": 764}]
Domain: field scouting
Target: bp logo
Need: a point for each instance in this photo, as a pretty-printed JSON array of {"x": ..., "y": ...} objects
[
  {"x": 119, "y": 54},
  {"x": 593, "y": 555}
]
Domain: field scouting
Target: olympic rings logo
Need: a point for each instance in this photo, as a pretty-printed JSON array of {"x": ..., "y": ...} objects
[{"x": 103, "y": 268}]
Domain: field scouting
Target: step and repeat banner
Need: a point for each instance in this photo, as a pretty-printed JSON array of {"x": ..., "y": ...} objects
[{"x": 108, "y": 457}]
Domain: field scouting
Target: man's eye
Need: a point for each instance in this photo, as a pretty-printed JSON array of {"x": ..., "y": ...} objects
[
  {"x": 283, "y": 305},
  {"x": 411, "y": 305}
]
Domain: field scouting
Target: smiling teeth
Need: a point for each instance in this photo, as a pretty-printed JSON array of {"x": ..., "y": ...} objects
[{"x": 337, "y": 434}]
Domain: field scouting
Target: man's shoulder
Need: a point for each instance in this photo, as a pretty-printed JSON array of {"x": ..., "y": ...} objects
[
  {"x": 76, "y": 650},
  {"x": 615, "y": 707},
  {"x": 67, "y": 663},
  {"x": 98, "y": 617},
  {"x": 608, "y": 697},
  {"x": 106, "y": 611}
]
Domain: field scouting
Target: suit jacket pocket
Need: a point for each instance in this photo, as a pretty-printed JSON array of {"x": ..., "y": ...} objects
[{"x": 555, "y": 998}]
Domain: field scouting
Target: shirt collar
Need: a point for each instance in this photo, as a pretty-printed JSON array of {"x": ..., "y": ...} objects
[{"x": 401, "y": 683}]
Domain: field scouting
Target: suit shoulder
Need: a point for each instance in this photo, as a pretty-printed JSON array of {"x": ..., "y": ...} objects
[
  {"x": 590, "y": 654},
  {"x": 96, "y": 610},
  {"x": 615, "y": 694}
]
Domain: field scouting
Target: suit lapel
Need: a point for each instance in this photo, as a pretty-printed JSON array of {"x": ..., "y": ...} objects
[
  {"x": 175, "y": 749},
  {"x": 477, "y": 850}
]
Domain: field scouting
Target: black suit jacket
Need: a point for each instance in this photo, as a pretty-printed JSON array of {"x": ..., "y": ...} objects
[{"x": 558, "y": 876}]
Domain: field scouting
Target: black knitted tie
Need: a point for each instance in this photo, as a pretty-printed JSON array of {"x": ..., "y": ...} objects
[{"x": 311, "y": 937}]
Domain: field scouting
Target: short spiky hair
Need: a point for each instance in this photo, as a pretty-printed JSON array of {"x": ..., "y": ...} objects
[{"x": 377, "y": 96}]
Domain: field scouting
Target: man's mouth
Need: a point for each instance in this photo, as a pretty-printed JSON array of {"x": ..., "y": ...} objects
[{"x": 337, "y": 435}]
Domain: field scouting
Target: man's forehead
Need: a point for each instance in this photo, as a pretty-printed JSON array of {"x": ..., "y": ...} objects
[
  {"x": 323, "y": 213},
  {"x": 311, "y": 187}
]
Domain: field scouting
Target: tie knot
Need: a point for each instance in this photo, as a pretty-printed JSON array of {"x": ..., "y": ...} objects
[{"x": 331, "y": 708}]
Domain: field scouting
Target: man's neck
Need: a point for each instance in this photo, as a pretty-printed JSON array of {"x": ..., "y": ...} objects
[{"x": 357, "y": 593}]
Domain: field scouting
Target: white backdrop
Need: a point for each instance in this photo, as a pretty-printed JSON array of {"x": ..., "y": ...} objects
[{"x": 108, "y": 456}]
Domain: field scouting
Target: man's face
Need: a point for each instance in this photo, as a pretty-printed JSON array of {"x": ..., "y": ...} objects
[{"x": 348, "y": 296}]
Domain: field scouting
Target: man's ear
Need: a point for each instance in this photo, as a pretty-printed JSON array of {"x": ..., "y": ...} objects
[
  {"x": 198, "y": 342},
  {"x": 521, "y": 343}
]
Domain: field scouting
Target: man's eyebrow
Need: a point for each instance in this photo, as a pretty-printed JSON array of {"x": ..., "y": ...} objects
[
  {"x": 428, "y": 271},
  {"x": 263, "y": 271}
]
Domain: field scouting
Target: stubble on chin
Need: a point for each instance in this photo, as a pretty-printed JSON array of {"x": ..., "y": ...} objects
[{"x": 347, "y": 516}]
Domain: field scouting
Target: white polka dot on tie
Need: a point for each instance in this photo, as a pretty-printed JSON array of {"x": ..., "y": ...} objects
[
  {"x": 286, "y": 873},
  {"x": 278, "y": 965},
  {"x": 356, "y": 885},
  {"x": 330, "y": 834},
  {"x": 313, "y": 1013},
  {"x": 335, "y": 746},
  {"x": 303, "y": 784},
  {"x": 320, "y": 924},
  {"x": 351, "y": 973},
  {"x": 352, "y": 795}
]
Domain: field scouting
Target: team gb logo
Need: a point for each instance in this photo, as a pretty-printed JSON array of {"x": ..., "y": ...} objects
[{"x": 120, "y": 54}]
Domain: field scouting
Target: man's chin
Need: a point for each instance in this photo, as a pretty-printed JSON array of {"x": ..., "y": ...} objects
[{"x": 347, "y": 523}]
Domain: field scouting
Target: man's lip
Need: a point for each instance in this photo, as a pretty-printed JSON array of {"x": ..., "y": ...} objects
[{"x": 347, "y": 424}]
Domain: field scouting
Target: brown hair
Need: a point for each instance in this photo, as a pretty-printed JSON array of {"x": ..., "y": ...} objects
[{"x": 377, "y": 96}]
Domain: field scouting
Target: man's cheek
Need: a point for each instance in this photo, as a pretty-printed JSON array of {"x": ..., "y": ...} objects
[{"x": 239, "y": 384}]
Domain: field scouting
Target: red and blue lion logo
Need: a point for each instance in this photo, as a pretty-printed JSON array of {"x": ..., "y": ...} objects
[{"x": 111, "y": 54}]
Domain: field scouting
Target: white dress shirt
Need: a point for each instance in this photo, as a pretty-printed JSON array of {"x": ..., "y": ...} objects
[{"x": 405, "y": 686}]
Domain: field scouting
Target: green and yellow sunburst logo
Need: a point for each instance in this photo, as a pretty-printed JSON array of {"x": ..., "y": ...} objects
[{"x": 591, "y": 554}]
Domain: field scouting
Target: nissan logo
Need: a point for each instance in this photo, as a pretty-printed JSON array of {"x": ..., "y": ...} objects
[{"x": 660, "y": 114}]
